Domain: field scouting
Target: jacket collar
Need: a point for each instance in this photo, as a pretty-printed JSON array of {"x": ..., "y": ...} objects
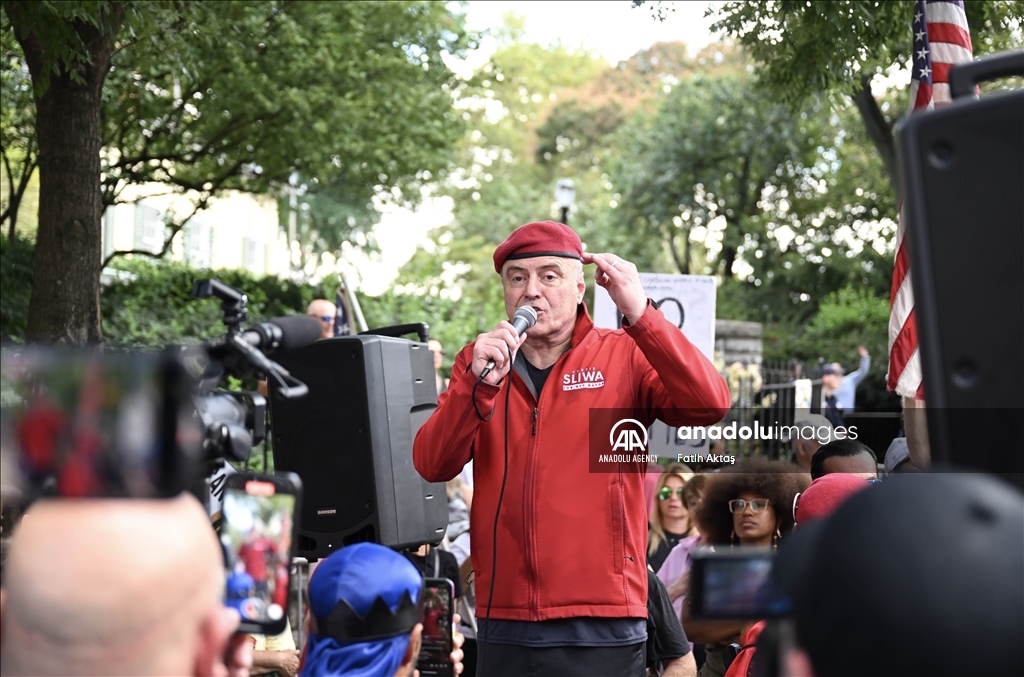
[{"x": 583, "y": 326}]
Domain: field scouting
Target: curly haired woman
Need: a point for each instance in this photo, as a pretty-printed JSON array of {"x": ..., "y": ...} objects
[{"x": 748, "y": 504}]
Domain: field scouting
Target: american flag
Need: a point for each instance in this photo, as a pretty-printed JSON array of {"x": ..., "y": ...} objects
[
  {"x": 941, "y": 39},
  {"x": 343, "y": 318}
]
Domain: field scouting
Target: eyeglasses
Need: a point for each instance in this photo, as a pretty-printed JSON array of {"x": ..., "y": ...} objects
[
  {"x": 756, "y": 505},
  {"x": 326, "y": 319},
  {"x": 665, "y": 493}
]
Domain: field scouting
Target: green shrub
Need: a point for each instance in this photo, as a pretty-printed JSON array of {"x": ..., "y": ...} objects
[{"x": 16, "y": 277}]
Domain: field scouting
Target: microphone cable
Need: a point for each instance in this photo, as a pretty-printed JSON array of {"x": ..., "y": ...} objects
[{"x": 497, "y": 512}]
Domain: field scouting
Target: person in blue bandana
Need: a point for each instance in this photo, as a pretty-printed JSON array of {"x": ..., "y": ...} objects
[{"x": 365, "y": 615}]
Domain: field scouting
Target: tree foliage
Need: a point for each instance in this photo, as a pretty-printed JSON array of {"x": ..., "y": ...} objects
[
  {"x": 151, "y": 304},
  {"x": 205, "y": 97},
  {"x": 734, "y": 185},
  {"x": 818, "y": 47},
  {"x": 355, "y": 97},
  {"x": 835, "y": 48},
  {"x": 16, "y": 270},
  {"x": 19, "y": 151}
]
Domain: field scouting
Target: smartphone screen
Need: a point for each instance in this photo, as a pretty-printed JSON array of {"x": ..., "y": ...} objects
[
  {"x": 735, "y": 584},
  {"x": 257, "y": 532},
  {"x": 84, "y": 423},
  {"x": 439, "y": 599}
]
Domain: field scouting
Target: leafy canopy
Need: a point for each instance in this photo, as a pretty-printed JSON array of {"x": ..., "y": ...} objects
[{"x": 824, "y": 46}]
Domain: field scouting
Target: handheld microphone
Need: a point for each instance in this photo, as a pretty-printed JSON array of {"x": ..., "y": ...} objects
[
  {"x": 283, "y": 333},
  {"x": 524, "y": 318}
]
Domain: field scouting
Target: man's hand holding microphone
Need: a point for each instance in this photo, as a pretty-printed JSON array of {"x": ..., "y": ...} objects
[{"x": 494, "y": 351}]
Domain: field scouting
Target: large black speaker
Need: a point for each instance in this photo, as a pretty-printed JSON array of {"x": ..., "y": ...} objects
[
  {"x": 350, "y": 440},
  {"x": 963, "y": 178}
]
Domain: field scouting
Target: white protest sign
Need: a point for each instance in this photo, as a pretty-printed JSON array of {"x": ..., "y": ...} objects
[{"x": 688, "y": 301}]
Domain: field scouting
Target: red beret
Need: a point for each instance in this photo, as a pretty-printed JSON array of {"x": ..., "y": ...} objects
[
  {"x": 825, "y": 495},
  {"x": 545, "y": 238}
]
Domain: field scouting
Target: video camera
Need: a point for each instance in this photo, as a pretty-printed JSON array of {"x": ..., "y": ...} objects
[{"x": 94, "y": 422}]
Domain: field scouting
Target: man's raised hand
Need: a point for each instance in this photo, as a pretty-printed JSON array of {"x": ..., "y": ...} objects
[{"x": 622, "y": 281}]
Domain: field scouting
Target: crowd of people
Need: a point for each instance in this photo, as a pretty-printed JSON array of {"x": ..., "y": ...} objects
[{"x": 556, "y": 569}]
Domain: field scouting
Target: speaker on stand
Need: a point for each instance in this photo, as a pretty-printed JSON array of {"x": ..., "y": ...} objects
[{"x": 350, "y": 440}]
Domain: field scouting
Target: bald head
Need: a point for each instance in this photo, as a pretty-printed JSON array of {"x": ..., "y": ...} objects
[
  {"x": 113, "y": 587},
  {"x": 320, "y": 309}
]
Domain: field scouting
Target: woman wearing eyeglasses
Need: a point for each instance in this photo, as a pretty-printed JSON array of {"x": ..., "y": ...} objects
[
  {"x": 670, "y": 520},
  {"x": 748, "y": 504}
]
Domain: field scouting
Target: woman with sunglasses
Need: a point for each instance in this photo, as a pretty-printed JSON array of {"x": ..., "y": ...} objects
[
  {"x": 670, "y": 520},
  {"x": 748, "y": 504}
]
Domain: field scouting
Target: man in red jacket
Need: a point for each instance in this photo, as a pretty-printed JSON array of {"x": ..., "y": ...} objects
[{"x": 558, "y": 550}]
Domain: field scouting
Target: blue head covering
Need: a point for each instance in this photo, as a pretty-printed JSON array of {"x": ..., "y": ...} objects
[{"x": 359, "y": 574}]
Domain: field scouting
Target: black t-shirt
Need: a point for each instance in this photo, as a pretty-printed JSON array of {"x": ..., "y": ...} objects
[
  {"x": 447, "y": 567},
  {"x": 538, "y": 376},
  {"x": 664, "y": 548},
  {"x": 665, "y": 636}
]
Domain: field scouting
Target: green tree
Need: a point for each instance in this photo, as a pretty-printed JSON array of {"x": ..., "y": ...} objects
[
  {"x": 712, "y": 149},
  {"x": 836, "y": 48},
  {"x": 846, "y": 319},
  {"x": 19, "y": 151},
  {"x": 16, "y": 272},
  {"x": 734, "y": 185},
  {"x": 68, "y": 48},
  {"x": 498, "y": 187},
  {"x": 213, "y": 96}
]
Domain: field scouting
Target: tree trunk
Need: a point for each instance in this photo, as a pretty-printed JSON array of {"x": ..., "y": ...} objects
[
  {"x": 682, "y": 260},
  {"x": 12, "y": 215},
  {"x": 18, "y": 192},
  {"x": 65, "y": 303},
  {"x": 878, "y": 130}
]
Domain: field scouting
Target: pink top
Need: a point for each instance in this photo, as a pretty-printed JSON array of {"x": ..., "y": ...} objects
[{"x": 676, "y": 564}]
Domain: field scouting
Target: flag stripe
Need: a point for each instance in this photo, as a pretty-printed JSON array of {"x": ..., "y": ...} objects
[
  {"x": 948, "y": 33},
  {"x": 946, "y": 54},
  {"x": 947, "y": 13},
  {"x": 924, "y": 96}
]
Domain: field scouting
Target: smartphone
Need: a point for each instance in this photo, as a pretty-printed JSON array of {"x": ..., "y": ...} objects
[
  {"x": 735, "y": 584},
  {"x": 80, "y": 423},
  {"x": 257, "y": 533},
  {"x": 438, "y": 609}
]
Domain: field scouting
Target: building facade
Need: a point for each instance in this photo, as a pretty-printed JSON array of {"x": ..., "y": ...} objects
[{"x": 237, "y": 230}]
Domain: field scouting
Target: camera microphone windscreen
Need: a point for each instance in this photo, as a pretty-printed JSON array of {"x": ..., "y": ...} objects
[{"x": 283, "y": 333}]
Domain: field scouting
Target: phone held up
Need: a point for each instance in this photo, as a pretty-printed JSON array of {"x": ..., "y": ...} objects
[
  {"x": 257, "y": 533},
  {"x": 438, "y": 610},
  {"x": 735, "y": 584}
]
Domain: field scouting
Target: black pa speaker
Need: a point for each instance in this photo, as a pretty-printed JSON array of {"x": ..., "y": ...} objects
[
  {"x": 350, "y": 440},
  {"x": 963, "y": 177}
]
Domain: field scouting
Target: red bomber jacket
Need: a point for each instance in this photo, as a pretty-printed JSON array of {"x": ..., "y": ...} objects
[{"x": 571, "y": 542}]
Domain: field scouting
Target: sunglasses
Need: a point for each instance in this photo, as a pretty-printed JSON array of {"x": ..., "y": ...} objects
[
  {"x": 665, "y": 493},
  {"x": 326, "y": 319},
  {"x": 756, "y": 505}
]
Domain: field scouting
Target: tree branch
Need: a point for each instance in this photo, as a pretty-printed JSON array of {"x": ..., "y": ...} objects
[
  {"x": 878, "y": 129},
  {"x": 683, "y": 264},
  {"x": 175, "y": 229},
  {"x": 18, "y": 192},
  {"x": 200, "y": 204}
]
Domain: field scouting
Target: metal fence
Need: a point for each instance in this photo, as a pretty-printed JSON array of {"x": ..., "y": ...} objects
[{"x": 766, "y": 394}]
